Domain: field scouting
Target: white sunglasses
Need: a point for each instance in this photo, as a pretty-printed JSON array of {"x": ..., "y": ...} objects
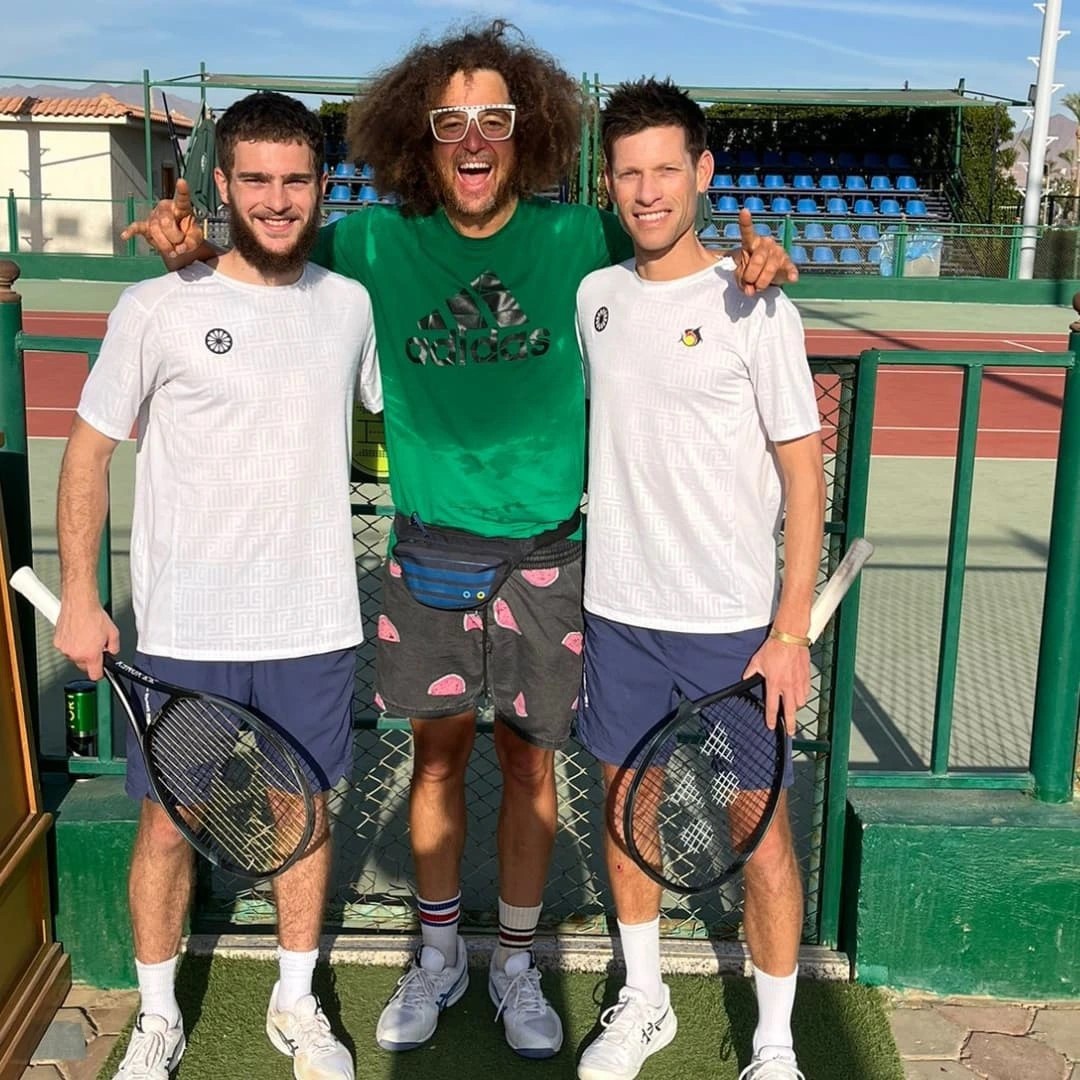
[{"x": 450, "y": 124}]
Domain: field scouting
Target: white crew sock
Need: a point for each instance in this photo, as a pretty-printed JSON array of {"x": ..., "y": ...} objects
[
  {"x": 439, "y": 925},
  {"x": 294, "y": 979},
  {"x": 157, "y": 989},
  {"x": 775, "y": 998},
  {"x": 641, "y": 951},
  {"x": 517, "y": 930}
]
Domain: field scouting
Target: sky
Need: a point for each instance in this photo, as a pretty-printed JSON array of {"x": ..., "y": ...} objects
[{"x": 737, "y": 43}]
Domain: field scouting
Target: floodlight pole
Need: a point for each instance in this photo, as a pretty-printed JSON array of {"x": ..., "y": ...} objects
[{"x": 1040, "y": 129}]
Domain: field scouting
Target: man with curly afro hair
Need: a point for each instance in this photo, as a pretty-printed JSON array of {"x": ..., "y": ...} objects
[{"x": 473, "y": 280}]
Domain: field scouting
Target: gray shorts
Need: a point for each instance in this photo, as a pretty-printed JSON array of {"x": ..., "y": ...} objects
[{"x": 523, "y": 649}]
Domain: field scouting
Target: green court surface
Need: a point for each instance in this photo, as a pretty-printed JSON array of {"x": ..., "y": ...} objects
[{"x": 841, "y": 1031}]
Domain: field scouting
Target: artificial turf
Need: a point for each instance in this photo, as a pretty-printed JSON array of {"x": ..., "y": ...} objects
[{"x": 841, "y": 1031}]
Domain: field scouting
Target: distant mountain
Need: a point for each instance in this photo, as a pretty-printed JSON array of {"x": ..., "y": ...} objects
[
  {"x": 1063, "y": 133},
  {"x": 132, "y": 95}
]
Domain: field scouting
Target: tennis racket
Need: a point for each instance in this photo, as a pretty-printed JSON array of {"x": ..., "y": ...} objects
[
  {"x": 695, "y": 811},
  {"x": 233, "y": 786}
]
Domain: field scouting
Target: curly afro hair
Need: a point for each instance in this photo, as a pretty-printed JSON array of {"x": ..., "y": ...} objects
[{"x": 388, "y": 124}]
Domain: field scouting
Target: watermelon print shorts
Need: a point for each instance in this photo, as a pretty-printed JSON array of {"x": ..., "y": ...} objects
[{"x": 522, "y": 651}]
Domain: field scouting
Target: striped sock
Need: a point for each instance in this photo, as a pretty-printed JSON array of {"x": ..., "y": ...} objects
[
  {"x": 517, "y": 930},
  {"x": 439, "y": 923}
]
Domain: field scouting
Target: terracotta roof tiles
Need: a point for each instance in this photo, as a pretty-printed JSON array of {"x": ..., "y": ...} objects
[{"x": 104, "y": 107}]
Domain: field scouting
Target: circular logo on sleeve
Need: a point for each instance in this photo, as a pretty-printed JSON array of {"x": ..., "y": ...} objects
[
  {"x": 600, "y": 319},
  {"x": 218, "y": 340}
]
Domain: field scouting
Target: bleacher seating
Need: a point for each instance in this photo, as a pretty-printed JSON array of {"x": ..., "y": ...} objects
[
  {"x": 723, "y": 180},
  {"x": 806, "y": 206},
  {"x": 781, "y": 204},
  {"x": 880, "y": 182},
  {"x": 823, "y": 254},
  {"x": 339, "y": 193},
  {"x": 850, "y": 256},
  {"x": 727, "y": 204},
  {"x": 731, "y": 230},
  {"x": 855, "y": 182},
  {"x": 915, "y": 208},
  {"x": 749, "y": 180},
  {"x": 868, "y": 231},
  {"x": 889, "y": 207},
  {"x": 814, "y": 230},
  {"x": 798, "y": 254},
  {"x": 841, "y": 231},
  {"x": 836, "y": 206},
  {"x": 754, "y": 204}
]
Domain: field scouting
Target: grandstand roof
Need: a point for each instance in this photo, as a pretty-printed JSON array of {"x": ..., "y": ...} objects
[
  {"x": 911, "y": 99},
  {"x": 102, "y": 107}
]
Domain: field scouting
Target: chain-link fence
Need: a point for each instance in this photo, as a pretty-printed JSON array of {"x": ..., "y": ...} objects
[{"x": 372, "y": 886}]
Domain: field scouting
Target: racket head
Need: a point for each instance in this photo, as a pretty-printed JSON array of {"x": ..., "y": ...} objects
[
  {"x": 704, "y": 789},
  {"x": 233, "y": 785}
]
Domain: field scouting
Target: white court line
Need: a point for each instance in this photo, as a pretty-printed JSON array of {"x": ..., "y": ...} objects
[
  {"x": 912, "y": 369},
  {"x": 982, "y": 430},
  {"x": 1021, "y": 345}
]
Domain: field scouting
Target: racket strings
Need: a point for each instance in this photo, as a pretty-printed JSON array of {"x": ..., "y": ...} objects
[
  {"x": 705, "y": 792},
  {"x": 235, "y": 789}
]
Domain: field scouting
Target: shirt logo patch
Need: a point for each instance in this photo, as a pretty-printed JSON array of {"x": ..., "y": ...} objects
[
  {"x": 690, "y": 338},
  {"x": 600, "y": 319},
  {"x": 218, "y": 341}
]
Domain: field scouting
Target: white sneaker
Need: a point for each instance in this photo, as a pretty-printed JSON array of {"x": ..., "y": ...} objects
[
  {"x": 772, "y": 1063},
  {"x": 533, "y": 1028},
  {"x": 429, "y": 986},
  {"x": 633, "y": 1030},
  {"x": 154, "y": 1051},
  {"x": 303, "y": 1033}
]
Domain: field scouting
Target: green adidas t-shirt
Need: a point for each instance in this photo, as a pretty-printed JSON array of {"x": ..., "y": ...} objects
[{"x": 483, "y": 388}]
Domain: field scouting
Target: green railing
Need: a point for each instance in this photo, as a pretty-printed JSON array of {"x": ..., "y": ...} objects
[{"x": 50, "y": 224}]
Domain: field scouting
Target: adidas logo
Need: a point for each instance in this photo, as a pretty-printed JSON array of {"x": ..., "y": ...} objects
[{"x": 481, "y": 324}]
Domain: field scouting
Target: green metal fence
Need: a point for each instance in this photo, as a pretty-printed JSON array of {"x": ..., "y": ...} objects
[{"x": 54, "y": 225}]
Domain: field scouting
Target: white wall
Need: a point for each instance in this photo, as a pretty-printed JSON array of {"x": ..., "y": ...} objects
[{"x": 13, "y": 172}]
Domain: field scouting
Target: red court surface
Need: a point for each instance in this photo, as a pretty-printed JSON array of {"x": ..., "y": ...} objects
[{"x": 917, "y": 407}]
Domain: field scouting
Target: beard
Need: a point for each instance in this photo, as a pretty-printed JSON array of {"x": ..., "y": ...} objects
[
  {"x": 273, "y": 263},
  {"x": 499, "y": 199}
]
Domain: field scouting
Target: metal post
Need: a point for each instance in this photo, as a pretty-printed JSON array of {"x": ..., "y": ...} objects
[
  {"x": 14, "y": 463},
  {"x": 130, "y": 214},
  {"x": 12, "y": 222},
  {"x": 1057, "y": 687},
  {"x": 1040, "y": 128},
  {"x": 901, "y": 250},
  {"x": 147, "y": 144}
]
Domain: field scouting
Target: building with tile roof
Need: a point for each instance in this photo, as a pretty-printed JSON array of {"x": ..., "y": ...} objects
[{"x": 74, "y": 162}]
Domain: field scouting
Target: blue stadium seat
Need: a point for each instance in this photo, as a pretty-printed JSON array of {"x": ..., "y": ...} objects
[
  {"x": 855, "y": 182},
  {"x": 798, "y": 254},
  {"x": 335, "y": 215},
  {"x": 880, "y": 183},
  {"x": 754, "y": 203},
  {"x": 806, "y": 206},
  {"x": 869, "y": 232},
  {"x": 731, "y": 230},
  {"x": 846, "y": 160},
  {"x": 772, "y": 159},
  {"x": 796, "y": 159},
  {"x": 748, "y": 159},
  {"x": 821, "y": 159},
  {"x": 749, "y": 180},
  {"x": 344, "y": 170},
  {"x": 873, "y": 160},
  {"x": 710, "y": 232},
  {"x": 864, "y": 207},
  {"x": 824, "y": 255},
  {"x": 850, "y": 255},
  {"x": 339, "y": 193},
  {"x": 367, "y": 194},
  {"x": 762, "y": 229},
  {"x": 814, "y": 230},
  {"x": 367, "y": 172},
  {"x": 774, "y": 180},
  {"x": 723, "y": 180},
  {"x": 727, "y": 204},
  {"x": 915, "y": 208},
  {"x": 803, "y": 182},
  {"x": 890, "y": 208},
  {"x": 781, "y": 204},
  {"x": 873, "y": 255},
  {"x": 906, "y": 183},
  {"x": 829, "y": 182},
  {"x": 898, "y": 161},
  {"x": 836, "y": 206},
  {"x": 840, "y": 231}
]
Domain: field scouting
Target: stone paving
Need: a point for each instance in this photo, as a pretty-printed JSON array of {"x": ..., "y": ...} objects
[
  {"x": 963, "y": 1038},
  {"x": 938, "y": 1038}
]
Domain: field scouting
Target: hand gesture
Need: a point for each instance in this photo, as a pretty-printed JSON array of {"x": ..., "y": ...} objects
[
  {"x": 171, "y": 229},
  {"x": 760, "y": 261}
]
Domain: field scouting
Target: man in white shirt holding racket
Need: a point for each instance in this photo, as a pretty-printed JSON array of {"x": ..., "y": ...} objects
[
  {"x": 240, "y": 379},
  {"x": 704, "y": 431}
]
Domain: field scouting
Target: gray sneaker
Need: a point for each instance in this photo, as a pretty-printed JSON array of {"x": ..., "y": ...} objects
[
  {"x": 154, "y": 1051},
  {"x": 427, "y": 987}
]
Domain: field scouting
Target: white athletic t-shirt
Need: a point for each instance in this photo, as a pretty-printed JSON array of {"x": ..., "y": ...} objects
[
  {"x": 690, "y": 384},
  {"x": 241, "y": 543}
]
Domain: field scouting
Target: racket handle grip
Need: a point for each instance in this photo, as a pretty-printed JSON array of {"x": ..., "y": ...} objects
[{"x": 25, "y": 582}]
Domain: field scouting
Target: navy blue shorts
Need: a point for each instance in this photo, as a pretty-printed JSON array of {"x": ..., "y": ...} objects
[
  {"x": 634, "y": 678},
  {"x": 308, "y": 697}
]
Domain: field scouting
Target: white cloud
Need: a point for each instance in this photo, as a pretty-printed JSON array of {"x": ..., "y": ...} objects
[{"x": 880, "y": 9}]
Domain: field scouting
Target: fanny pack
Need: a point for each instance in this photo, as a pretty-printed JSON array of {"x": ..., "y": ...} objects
[{"x": 458, "y": 570}]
